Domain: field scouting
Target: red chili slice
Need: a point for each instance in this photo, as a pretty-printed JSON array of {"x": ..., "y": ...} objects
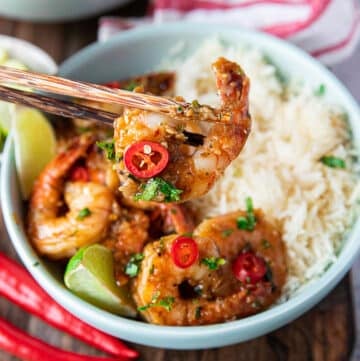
[
  {"x": 249, "y": 268},
  {"x": 146, "y": 159},
  {"x": 184, "y": 252},
  {"x": 80, "y": 174}
]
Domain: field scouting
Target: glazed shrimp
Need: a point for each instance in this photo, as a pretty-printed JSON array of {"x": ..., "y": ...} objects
[
  {"x": 191, "y": 170},
  {"x": 127, "y": 236},
  {"x": 208, "y": 291},
  {"x": 58, "y": 228}
]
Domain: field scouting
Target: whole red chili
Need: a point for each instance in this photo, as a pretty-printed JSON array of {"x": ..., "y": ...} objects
[
  {"x": 184, "y": 252},
  {"x": 28, "y": 348},
  {"x": 18, "y": 286},
  {"x": 146, "y": 159},
  {"x": 249, "y": 268}
]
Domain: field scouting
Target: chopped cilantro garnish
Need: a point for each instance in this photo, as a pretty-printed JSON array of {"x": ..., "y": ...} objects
[
  {"x": 109, "y": 148},
  {"x": 195, "y": 104},
  {"x": 158, "y": 187},
  {"x": 133, "y": 266},
  {"x": 320, "y": 91},
  {"x": 180, "y": 109},
  {"x": 213, "y": 263},
  {"x": 131, "y": 86},
  {"x": 333, "y": 162},
  {"x": 227, "y": 232},
  {"x": 247, "y": 222},
  {"x": 85, "y": 212},
  {"x": 166, "y": 302}
]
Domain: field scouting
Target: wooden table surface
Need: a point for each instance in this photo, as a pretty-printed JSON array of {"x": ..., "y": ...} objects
[{"x": 326, "y": 333}]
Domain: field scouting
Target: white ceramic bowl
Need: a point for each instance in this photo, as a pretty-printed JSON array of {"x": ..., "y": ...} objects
[
  {"x": 136, "y": 52},
  {"x": 32, "y": 56},
  {"x": 56, "y": 10}
]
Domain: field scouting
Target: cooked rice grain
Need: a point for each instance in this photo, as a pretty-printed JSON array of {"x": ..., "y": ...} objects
[{"x": 279, "y": 167}]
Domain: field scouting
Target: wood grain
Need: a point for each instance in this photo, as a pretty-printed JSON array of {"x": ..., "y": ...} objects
[{"x": 326, "y": 333}]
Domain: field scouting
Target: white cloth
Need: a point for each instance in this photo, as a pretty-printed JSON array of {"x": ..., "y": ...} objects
[{"x": 327, "y": 29}]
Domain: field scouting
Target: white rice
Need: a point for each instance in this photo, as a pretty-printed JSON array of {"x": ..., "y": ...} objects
[{"x": 279, "y": 166}]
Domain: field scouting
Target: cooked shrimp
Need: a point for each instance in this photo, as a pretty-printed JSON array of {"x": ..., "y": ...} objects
[
  {"x": 208, "y": 291},
  {"x": 191, "y": 170},
  {"x": 58, "y": 227},
  {"x": 127, "y": 236}
]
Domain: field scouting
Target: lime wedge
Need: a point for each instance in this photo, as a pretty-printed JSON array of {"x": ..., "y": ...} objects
[
  {"x": 90, "y": 275},
  {"x": 35, "y": 145}
]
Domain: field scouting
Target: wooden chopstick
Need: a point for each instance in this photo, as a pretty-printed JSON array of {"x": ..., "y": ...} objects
[
  {"x": 99, "y": 93},
  {"x": 56, "y": 106},
  {"x": 73, "y": 110}
]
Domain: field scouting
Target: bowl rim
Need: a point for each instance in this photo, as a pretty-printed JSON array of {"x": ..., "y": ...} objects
[
  {"x": 178, "y": 337},
  {"x": 47, "y": 62}
]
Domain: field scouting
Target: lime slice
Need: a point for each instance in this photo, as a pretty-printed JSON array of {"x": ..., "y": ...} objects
[
  {"x": 35, "y": 145},
  {"x": 90, "y": 275}
]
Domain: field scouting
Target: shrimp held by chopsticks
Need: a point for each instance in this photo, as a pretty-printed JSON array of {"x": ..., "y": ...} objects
[{"x": 166, "y": 159}]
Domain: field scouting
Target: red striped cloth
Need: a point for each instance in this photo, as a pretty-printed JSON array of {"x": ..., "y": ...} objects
[{"x": 327, "y": 29}]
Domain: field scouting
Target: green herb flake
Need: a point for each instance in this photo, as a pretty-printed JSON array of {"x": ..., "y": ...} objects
[
  {"x": 198, "y": 312},
  {"x": 265, "y": 244},
  {"x": 320, "y": 91},
  {"x": 166, "y": 302},
  {"x": 187, "y": 234},
  {"x": 3, "y": 136},
  {"x": 227, "y": 232},
  {"x": 109, "y": 148},
  {"x": 85, "y": 212},
  {"x": 180, "y": 109},
  {"x": 247, "y": 222},
  {"x": 333, "y": 162},
  {"x": 131, "y": 86},
  {"x": 195, "y": 105},
  {"x": 156, "y": 187},
  {"x": 213, "y": 263},
  {"x": 133, "y": 266},
  {"x": 152, "y": 269},
  {"x": 36, "y": 264}
]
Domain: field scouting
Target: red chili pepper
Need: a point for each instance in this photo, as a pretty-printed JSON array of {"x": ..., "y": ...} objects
[
  {"x": 28, "y": 348},
  {"x": 146, "y": 159},
  {"x": 80, "y": 174},
  {"x": 18, "y": 286},
  {"x": 249, "y": 268},
  {"x": 184, "y": 252},
  {"x": 113, "y": 84}
]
